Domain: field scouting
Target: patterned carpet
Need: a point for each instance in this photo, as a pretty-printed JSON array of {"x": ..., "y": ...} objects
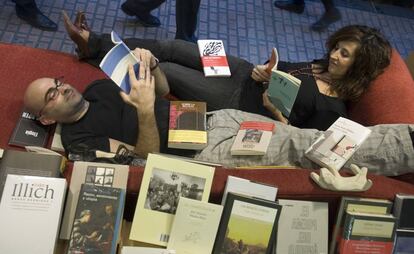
[{"x": 249, "y": 28}]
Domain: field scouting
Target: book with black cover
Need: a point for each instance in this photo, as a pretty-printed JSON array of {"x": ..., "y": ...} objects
[
  {"x": 33, "y": 164},
  {"x": 404, "y": 210},
  {"x": 29, "y": 131},
  {"x": 97, "y": 220},
  {"x": 247, "y": 224}
]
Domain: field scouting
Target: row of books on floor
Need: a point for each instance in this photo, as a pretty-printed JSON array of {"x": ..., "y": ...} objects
[{"x": 173, "y": 211}]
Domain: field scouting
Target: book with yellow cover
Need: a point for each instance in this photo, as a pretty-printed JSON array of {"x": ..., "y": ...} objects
[
  {"x": 165, "y": 180},
  {"x": 187, "y": 125}
]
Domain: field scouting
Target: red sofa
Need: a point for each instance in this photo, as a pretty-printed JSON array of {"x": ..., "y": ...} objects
[{"x": 392, "y": 92}]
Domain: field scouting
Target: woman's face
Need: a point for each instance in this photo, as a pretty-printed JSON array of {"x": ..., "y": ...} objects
[{"x": 341, "y": 58}]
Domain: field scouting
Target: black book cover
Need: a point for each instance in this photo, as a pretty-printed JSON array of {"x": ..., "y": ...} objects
[
  {"x": 97, "y": 220},
  {"x": 406, "y": 219},
  {"x": 29, "y": 132}
]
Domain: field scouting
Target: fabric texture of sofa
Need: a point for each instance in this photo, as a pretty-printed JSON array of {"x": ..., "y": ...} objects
[{"x": 388, "y": 100}]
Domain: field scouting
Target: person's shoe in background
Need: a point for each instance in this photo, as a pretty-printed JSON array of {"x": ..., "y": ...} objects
[
  {"x": 291, "y": 5},
  {"x": 328, "y": 18},
  {"x": 146, "y": 19},
  {"x": 36, "y": 18}
]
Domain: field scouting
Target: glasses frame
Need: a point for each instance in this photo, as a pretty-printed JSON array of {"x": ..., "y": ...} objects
[{"x": 58, "y": 82}]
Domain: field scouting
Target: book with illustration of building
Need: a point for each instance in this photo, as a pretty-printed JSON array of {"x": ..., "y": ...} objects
[{"x": 213, "y": 58}]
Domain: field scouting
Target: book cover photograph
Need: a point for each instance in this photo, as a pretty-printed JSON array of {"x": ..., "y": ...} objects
[
  {"x": 165, "y": 180},
  {"x": 97, "y": 220},
  {"x": 248, "y": 225},
  {"x": 115, "y": 63},
  {"x": 29, "y": 131},
  {"x": 30, "y": 213},
  {"x": 187, "y": 125},
  {"x": 253, "y": 138},
  {"x": 213, "y": 58},
  {"x": 195, "y": 227},
  {"x": 338, "y": 143}
]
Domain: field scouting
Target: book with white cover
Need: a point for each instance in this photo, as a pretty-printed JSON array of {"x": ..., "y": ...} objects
[
  {"x": 303, "y": 227},
  {"x": 30, "y": 212},
  {"x": 249, "y": 188},
  {"x": 93, "y": 173},
  {"x": 338, "y": 143},
  {"x": 145, "y": 250},
  {"x": 195, "y": 227},
  {"x": 253, "y": 138},
  {"x": 213, "y": 58},
  {"x": 165, "y": 180}
]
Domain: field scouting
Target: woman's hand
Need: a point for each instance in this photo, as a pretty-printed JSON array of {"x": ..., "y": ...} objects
[
  {"x": 145, "y": 56},
  {"x": 272, "y": 108},
  {"x": 260, "y": 74}
]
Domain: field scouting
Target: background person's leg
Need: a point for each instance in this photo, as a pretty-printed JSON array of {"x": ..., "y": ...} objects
[
  {"x": 330, "y": 16},
  {"x": 142, "y": 10},
  {"x": 186, "y": 19},
  {"x": 27, "y": 10}
]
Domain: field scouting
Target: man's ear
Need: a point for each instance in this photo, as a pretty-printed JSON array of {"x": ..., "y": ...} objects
[{"x": 46, "y": 121}]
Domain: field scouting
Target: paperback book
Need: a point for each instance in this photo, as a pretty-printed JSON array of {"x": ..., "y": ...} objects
[
  {"x": 404, "y": 210},
  {"x": 338, "y": 143},
  {"x": 253, "y": 138},
  {"x": 187, "y": 125},
  {"x": 98, "y": 217},
  {"x": 213, "y": 58},
  {"x": 165, "y": 180},
  {"x": 30, "y": 212},
  {"x": 115, "y": 63},
  {"x": 404, "y": 241},
  {"x": 145, "y": 250},
  {"x": 195, "y": 227},
  {"x": 247, "y": 224}
]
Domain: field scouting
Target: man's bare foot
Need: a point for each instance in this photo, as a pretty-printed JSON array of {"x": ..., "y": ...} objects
[{"x": 78, "y": 32}]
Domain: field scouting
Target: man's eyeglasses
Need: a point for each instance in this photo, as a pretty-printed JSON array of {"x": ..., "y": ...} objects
[{"x": 52, "y": 93}]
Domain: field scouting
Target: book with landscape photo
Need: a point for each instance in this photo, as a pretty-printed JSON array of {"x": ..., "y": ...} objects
[
  {"x": 115, "y": 63},
  {"x": 195, "y": 227},
  {"x": 283, "y": 87},
  {"x": 367, "y": 233},
  {"x": 338, "y": 143},
  {"x": 213, "y": 58},
  {"x": 354, "y": 204},
  {"x": 96, "y": 226},
  {"x": 165, "y": 180},
  {"x": 253, "y": 138},
  {"x": 303, "y": 227},
  {"x": 33, "y": 164},
  {"x": 93, "y": 173},
  {"x": 30, "y": 212},
  {"x": 248, "y": 225},
  {"x": 29, "y": 131},
  {"x": 187, "y": 125}
]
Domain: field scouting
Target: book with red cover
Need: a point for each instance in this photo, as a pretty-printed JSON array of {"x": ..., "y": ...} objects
[
  {"x": 253, "y": 138},
  {"x": 213, "y": 58}
]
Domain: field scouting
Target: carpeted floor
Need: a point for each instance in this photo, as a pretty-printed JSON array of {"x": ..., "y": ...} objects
[{"x": 249, "y": 28}]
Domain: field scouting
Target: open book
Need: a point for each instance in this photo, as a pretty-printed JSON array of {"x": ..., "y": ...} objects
[
  {"x": 283, "y": 87},
  {"x": 116, "y": 61},
  {"x": 338, "y": 143}
]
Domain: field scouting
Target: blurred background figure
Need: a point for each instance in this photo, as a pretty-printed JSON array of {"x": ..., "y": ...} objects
[
  {"x": 27, "y": 10},
  {"x": 142, "y": 10}
]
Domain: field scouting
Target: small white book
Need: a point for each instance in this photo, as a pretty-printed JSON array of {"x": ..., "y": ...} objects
[
  {"x": 195, "y": 227},
  {"x": 145, "y": 250},
  {"x": 30, "y": 212},
  {"x": 213, "y": 58},
  {"x": 249, "y": 188},
  {"x": 303, "y": 227},
  {"x": 338, "y": 143},
  {"x": 253, "y": 138}
]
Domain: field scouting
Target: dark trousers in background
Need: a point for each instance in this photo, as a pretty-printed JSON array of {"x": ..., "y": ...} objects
[{"x": 186, "y": 19}]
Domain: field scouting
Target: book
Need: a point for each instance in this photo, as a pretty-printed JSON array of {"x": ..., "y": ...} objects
[
  {"x": 30, "y": 212},
  {"x": 368, "y": 233},
  {"x": 404, "y": 241},
  {"x": 188, "y": 159},
  {"x": 93, "y": 173},
  {"x": 213, "y": 58},
  {"x": 164, "y": 181},
  {"x": 98, "y": 216},
  {"x": 248, "y": 188},
  {"x": 403, "y": 210},
  {"x": 115, "y": 63},
  {"x": 248, "y": 225},
  {"x": 338, "y": 143},
  {"x": 29, "y": 131},
  {"x": 195, "y": 227},
  {"x": 353, "y": 204},
  {"x": 145, "y": 250},
  {"x": 253, "y": 138},
  {"x": 303, "y": 227},
  {"x": 32, "y": 164},
  {"x": 57, "y": 139},
  {"x": 187, "y": 125}
]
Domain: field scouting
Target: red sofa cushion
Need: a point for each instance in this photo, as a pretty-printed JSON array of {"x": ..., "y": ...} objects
[{"x": 389, "y": 99}]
